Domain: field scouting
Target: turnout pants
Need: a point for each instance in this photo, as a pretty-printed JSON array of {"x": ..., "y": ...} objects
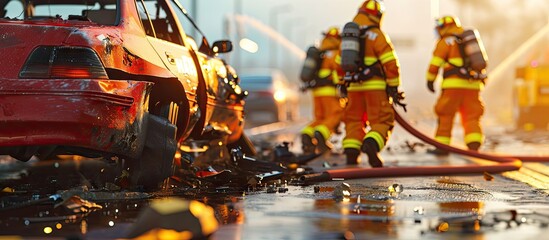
[
  {"x": 470, "y": 106},
  {"x": 328, "y": 113},
  {"x": 380, "y": 114}
]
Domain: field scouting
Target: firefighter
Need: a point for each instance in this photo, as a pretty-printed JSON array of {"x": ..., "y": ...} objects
[
  {"x": 460, "y": 91},
  {"x": 327, "y": 109},
  {"x": 368, "y": 93}
]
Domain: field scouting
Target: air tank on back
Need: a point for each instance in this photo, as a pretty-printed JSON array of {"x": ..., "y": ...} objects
[
  {"x": 474, "y": 49},
  {"x": 350, "y": 47},
  {"x": 311, "y": 64}
]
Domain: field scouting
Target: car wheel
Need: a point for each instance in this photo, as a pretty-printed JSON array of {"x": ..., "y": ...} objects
[{"x": 157, "y": 160}]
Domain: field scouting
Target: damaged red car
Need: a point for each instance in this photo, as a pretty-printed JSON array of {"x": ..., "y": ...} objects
[{"x": 120, "y": 80}]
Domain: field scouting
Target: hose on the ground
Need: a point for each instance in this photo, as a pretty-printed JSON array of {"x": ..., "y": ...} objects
[{"x": 500, "y": 163}]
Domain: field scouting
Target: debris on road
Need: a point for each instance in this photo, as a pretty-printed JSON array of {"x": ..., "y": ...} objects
[
  {"x": 76, "y": 204},
  {"x": 342, "y": 191},
  {"x": 395, "y": 189},
  {"x": 488, "y": 176}
]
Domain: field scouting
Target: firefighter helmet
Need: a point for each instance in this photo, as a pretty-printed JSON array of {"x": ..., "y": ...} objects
[
  {"x": 332, "y": 32},
  {"x": 331, "y": 40},
  {"x": 374, "y": 9},
  {"x": 447, "y": 21}
]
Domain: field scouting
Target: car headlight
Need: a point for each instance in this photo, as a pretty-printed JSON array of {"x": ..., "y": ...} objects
[{"x": 279, "y": 96}]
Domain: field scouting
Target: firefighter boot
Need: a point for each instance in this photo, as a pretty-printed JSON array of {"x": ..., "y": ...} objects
[
  {"x": 322, "y": 145},
  {"x": 307, "y": 144},
  {"x": 370, "y": 147},
  {"x": 473, "y": 146},
  {"x": 351, "y": 155}
]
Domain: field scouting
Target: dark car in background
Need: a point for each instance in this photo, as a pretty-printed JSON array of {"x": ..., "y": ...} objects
[{"x": 271, "y": 96}]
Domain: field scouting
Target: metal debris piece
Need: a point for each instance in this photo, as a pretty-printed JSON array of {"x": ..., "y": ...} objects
[
  {"x": 222, "y": 189},
  {"x": 449, "y": 180},
  {"x": 78, "y": 205},
  {"x": 271, "y": 189},
  {"x": 112, "y": 187},
  {"x": 316, "y": 189},
  {"x": 282, "y": 153},
  {"x": 34, "y": 201},
  {"x": 28, "y": 220},
  {"x": 245, "y": 163},
  {"x": 419, "y": 210},
  {"x": 268, "y": 176},
  {"x": 488, "y": 176},
  {"x": 100, "y": 196},
  {"x": 343, "y": 190},
  {"x": 395, "y": 189},
  {"x": 413, "y": 145}
]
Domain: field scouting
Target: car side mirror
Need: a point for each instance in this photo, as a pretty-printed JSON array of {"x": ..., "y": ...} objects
[{"x": 222, "y": 46}]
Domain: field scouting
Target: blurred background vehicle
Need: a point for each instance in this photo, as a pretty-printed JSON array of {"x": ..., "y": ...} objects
[{"x": 271, "y": 96}]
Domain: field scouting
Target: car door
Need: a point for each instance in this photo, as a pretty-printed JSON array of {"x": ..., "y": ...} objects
[
  {"x": 167, "y": 40},
  {"x": 212, "y": 69}
]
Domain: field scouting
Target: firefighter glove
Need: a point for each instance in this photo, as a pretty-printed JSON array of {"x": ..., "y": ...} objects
[
  {"x": 397, "y": 96},
  {"x": 342, "y": 90},
  {"x": 431, "y": 86}
]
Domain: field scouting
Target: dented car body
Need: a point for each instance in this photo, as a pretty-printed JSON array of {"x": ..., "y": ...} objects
[{"x": 113, "y": 79}]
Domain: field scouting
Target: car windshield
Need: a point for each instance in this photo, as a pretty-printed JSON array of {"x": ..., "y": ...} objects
[
  {"x": 98, "y": 11},
  {"x": 252, "y": 83},
  {"x": 193, "y": 33}
]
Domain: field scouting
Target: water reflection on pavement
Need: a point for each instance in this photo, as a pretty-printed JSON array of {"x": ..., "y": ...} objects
[{"x": 500, "y": 206}]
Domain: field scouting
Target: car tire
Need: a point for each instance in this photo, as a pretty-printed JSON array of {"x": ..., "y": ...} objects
[{"x": 156, "y": 163}]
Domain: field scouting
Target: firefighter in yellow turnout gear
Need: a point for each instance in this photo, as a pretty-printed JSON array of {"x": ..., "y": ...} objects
[
  {"x": 460, "y": 91},
  {"x": 327, "y": 109},
  {"x": 379, "y": 78}
]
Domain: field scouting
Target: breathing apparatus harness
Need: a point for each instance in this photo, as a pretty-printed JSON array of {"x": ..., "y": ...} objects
[
  {"x": 353, "y": 50},
  {"x": 474, "y": 57},
  {"x": 357, "y": 70}
]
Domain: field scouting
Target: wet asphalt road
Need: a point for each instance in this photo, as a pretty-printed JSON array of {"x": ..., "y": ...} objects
[{"x": 512, "y": 205}]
